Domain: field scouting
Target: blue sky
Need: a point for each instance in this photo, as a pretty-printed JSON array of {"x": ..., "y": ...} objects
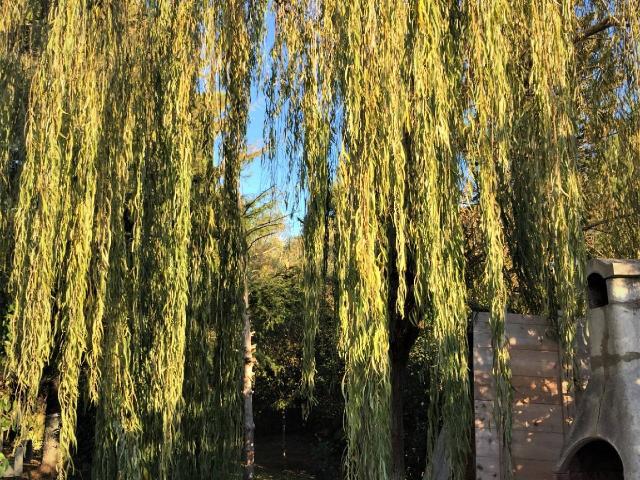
[{"x": 259, "y": 175}]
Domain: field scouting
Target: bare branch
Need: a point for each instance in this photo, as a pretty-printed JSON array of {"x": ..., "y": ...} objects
[
  {"x": 257, "y": 199},
  {"x": 261, "y": 237},
  {"x": 271, "y": 223}
]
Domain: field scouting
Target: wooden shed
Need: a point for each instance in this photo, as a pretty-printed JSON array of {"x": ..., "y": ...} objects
[{"x": 542, "y": 407}]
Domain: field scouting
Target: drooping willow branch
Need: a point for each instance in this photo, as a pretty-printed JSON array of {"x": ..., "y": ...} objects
[
  {"x": 104, "y": 245},
  {"x": 423, "y": 97}
]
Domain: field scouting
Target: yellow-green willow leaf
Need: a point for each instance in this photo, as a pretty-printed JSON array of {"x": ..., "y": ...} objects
[
  {"x": 491, "y": 86},
  {"x": 102, "y": 227},
  {"x": 301, "y": 67}
]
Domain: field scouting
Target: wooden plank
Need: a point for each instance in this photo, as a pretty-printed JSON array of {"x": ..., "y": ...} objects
[
  {"x": 487, "y": 468},
  {"x": 483, "y": 387},
  {"x": 484, "y": 414},
  {"x": 536, "y": 417},
  {"x": 533, "y": 470},
  {"x": 520, "y": 337},
  {"x": 540, "y": 405},
  {"x": 541, "y": 446},
  {"x": 535, "y": 364},
  {"x": 526, "y": 389},
  {"x": 533, "y": 417},
  {"x": 526, "y": 363},
  {"x": 482, "y": 359},
  {"x": 487, "y": 443},
  {"x": 527, "y": 319},
  {"x": 536, "y": 390}
]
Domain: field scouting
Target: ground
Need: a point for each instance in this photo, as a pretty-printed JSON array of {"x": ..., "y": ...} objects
[
  {"x": 263, "y": 473},
  {"x": 306, "y": 458}
]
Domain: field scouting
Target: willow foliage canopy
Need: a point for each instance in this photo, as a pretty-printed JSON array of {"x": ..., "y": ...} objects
[
  {"x": 121, "y": 238},
  {"x": 126, "y": 235},
  {"x": 392, "y": 111}
]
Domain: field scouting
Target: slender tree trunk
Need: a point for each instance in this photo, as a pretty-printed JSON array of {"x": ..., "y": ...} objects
[
  {"x": 284, "y": 434},
  {"x": 247, "y": 392},
  {"x": 439, "y": 462}
]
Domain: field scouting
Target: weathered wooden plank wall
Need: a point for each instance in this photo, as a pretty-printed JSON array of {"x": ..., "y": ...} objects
[{"x": 541, "y": 402}]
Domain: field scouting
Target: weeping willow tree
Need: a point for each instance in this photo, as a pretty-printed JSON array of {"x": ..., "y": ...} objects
[
  {"x": 389, "y": 109},
  {"x": 608, "y": 82},
  {"x": 23, "y": 34},
  {"x": 126, "y": 234},
  {"x": 395, "y": 259},
  {"x": 122, "y": 243}
]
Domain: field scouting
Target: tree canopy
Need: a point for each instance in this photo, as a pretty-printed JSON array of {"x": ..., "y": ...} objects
[{"x": 122, "y": 243}]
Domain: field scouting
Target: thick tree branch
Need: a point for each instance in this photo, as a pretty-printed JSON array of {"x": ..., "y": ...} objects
[
  {"x": 604, "y": 221},
  {"x": 601, "y": 26}
]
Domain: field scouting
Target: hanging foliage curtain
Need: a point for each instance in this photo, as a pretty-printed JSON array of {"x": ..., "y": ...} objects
[
  {"x": 120, "y": 236},
  {"x": 421, "y": 98},
  {"x": 121, "y": 219}
]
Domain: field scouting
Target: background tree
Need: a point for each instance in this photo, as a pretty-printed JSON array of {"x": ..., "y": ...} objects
[
  {"x": 277, "y": 310},
  {"x": 260, "y": 223}
]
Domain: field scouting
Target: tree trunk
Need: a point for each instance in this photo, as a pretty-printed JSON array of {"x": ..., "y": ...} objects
[
  {"x": 247, "y": 392},
  {"x": 398, "y": 377},
  {"x": 403, "y": 337},
  {"x": 51, "y": 445},
  {"x": 439, "y": 464},
  {"x": 284, "y": 434}
]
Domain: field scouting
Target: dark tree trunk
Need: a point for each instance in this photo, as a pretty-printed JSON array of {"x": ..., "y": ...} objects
[
  {"x": 398, "y": 377},
  {"x": 51, "y": 445},
  {"x": 403, "y": 337},
  {"x": 403, "y": 334}
]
